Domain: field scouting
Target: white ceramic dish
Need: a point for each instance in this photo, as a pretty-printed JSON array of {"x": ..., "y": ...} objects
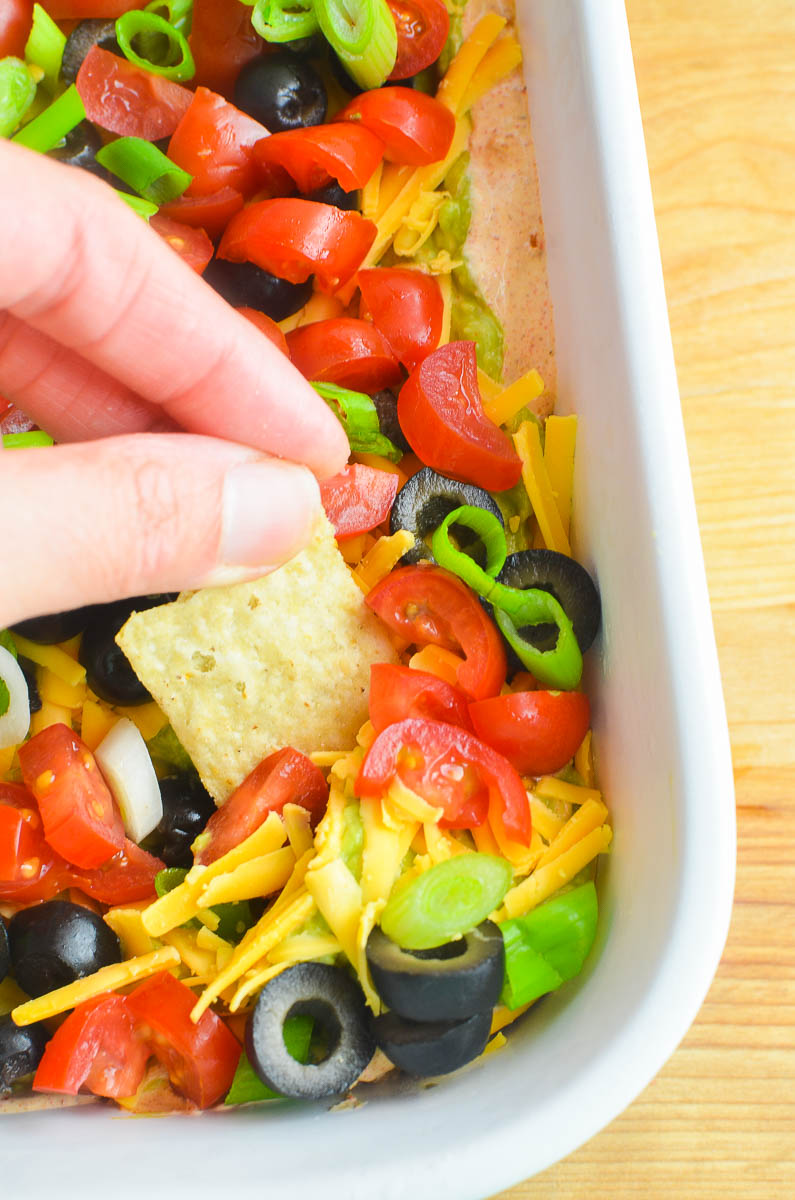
[{"x": 583, "y": 1054}]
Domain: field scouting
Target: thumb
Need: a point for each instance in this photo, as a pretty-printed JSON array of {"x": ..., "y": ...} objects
[{"x": 144, "y": 513}]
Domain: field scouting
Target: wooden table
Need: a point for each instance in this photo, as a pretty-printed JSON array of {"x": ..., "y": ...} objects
[{"x": 717, "y": 90}]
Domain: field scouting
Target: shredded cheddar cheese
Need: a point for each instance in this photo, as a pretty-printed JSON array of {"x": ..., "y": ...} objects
[
  {"x": 560, "y": 437},
  {"x": 53, "y": 658},
  {"x": 513, "y": 399},
  {"x": 502, "y": 58},
  {"x": 460, "y": 74},
  {"x": 545, "y": 880},
  {"x": 527, "y": 441}
]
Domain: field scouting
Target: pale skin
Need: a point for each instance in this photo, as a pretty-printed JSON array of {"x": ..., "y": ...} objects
[{"x": 190, "y": 448}]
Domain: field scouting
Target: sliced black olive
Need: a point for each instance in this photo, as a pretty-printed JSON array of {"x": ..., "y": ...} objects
[
  {"x": 568, "y": 582},
  {"x": 21, "y": 1050},
  {"x": 108, "y": 670},
  {"x": 335, "y": 195},
  {"x": 386, "y": 406},
  {"x": 80, "y": 41},
  {"x": 53, "y": 944},
  {"x": 55, "y": 627},
  {"x": 308, "y": 47},
  {"x": 247, "y": 284},
  {"x": 335, "y": 1002},
  {"x": 423, "y": 503},
  {"x": 28, "y": 669},
  {"x": 80, "y": 150},
  {"x": 446, "y": 984},
  {"x": 5, "y": 953},
  {"x": 187, "y": 807},
  {"x": 281, "y": 91},
  {"x": 431, "y": 1047}
]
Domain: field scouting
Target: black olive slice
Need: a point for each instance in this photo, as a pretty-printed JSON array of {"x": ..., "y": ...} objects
[
  {"x": 28, "y": 669},
  {"x": 281, "y": 91},
  {"x": 55, "y": 627},
  {"x": 108, "y": 670},
  {"x": 385, "y": 403},
  {"x": 21, "y": 1050},
  {"x": 5, "y": 953},
  {"x": 568, "y": 582},
  {"x": 335, "y": 1002},
  {"x": 246, "y": 284},
  {"x": 431, "y": 1047},
  {"x": 83, "y": 37},
  {"x": 446, "y": 984},
  {"x": 332, "y": 193},
  {"x": 53, "y": 944},
  {"x": 423, "y": 503},
  {"x": 187, "y": 807}
]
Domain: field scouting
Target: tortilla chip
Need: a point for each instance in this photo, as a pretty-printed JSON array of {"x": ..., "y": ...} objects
[
  {"x": 41, "y": 1102},
  {"x": 242, "y": 671}
]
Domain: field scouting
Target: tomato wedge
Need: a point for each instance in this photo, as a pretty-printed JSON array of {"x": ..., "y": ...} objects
[
  {"x": 96, "y": 1048},
  {"x": 441, "y": 413},
  {"x": 222, "y": 40},
  {"x": 201, "y": 1058},
  {"x": 295, "y": 238},
  {"x": 285, "y": 777},
  {"x": 415, "y": 128},
  {"x": 422, "y": 29},
  {"x": 267, "y": 326},
  {"x": 397, "y": 693},
  {"x": 81, "y": 822},
  {"x": 425, "y": 604},
  {"x": 358, "y": 499},
  {"x": 451, "y": 769},
  {"x": 406, "y": 306},
  {"x": 127, "y": 100},
  {"x": 345, "y": 351},
  {"x": 16, "y": 17},
  {"x": 215, "y": 142},
  {"x": 192, "y": 245},
  {"x": 30, "y": 870},
  {"x": 126, "y": 877},
  {"x": 211, "y": 213},
  {"x": 314, "y": 155},
  {"x": 536, "y": 731}
]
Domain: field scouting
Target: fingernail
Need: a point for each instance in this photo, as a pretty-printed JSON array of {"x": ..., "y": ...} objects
[{"x": 269, "y": 511}]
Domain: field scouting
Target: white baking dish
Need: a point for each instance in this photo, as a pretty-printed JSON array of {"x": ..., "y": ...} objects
[{"x": 584, "y": 1053}]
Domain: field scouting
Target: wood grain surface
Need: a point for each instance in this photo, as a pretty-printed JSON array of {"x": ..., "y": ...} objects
[{"x": 717, "y": 92}]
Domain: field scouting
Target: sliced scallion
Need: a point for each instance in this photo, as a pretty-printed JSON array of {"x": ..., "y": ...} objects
[
  {"x": 284, "y": 20},
  {"x": 17, "y": 93},
  {"x": 363, "y": 36},
  {"x": 142, "y": 166},
  {"x": 44, "y": 47},
  {"x": 178, "y": 13},
  {"x": 144, "y": 208},
  {"x": 446, "y": 901},
  {"x": 23, "y": 441},
  {"x": 358, "y": 416},
  {"x": 165, "y": 50},
  {"x": 50, "y": 127}
]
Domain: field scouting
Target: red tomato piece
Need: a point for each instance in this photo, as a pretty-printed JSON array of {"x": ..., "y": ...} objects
[
  {"x": 222, "y": 40},
  {"x": 67, "y": 10},
  {"x": 267, "y": 326},
  {"x": 16, "y": 17},
  {"x": 314, "y": 155},
  {"x": 201, "y": 1058},
  {"x": 451, "y": 769},
  {"x": 358, "y": 499},
  {"x": 192, "y": 245},
  {"x": 416, "y": 129},
  {"x": 126, "y": 877},
  {"x": 215, "y": 142},
  {"x": 211, "y": 213},
  {"x": 422, "y": 29},
  {"x": 127, "y": 100},
  {"x": 295, "y": 238},
  {"x": 30, "y": 870},
  {"x": 397, "y": 693},
  {"x": 425, "y": 604},
  {"x": 441, "y": 413},
  {"x": 96, "y": 1048},
  {"x": 406, "y": 306},
  {"x": 345, "y": 351},
  {"x": 285, "y": 777},
  {"x": 81, "y": 822},
  {"x": 536, "y": 731}
]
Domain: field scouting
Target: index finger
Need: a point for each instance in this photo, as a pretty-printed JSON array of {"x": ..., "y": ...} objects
[{"x": 81, "y": 267}]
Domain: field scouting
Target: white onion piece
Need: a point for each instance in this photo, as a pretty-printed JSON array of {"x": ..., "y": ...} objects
[
  {"x": 15, "y": 722},
  {"x": 125, "y": 763}
]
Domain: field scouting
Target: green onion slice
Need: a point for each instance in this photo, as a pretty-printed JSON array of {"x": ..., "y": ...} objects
[
  {"x": 144, "y": 208},
  {"x": 17, "y": 93},
  {"x": 21, "y": 441},
  {"x": 549, "y": 945},
  {"x": 359, "y": 418},
  {"x": 446, "y": 901},
  {"x": 165, "y": 50},
  {"x": 44, "y": 47},
  {"x": 145, "y": 168},
  {"x": 362, "y": 34},
  {"x": 178, "y": 13},
  {"x": 51, "y": 126},
  {"x": 284, "y": 20}
]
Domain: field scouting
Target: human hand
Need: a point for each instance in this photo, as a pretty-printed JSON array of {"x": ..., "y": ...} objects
[{"x": 172, "y": 404}]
